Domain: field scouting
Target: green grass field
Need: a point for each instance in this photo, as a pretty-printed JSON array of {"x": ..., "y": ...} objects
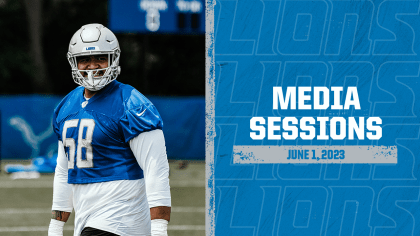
[{"x": 25, "y": 204}]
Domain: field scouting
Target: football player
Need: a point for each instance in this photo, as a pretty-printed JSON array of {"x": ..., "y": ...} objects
[{"x": 112, "y": 167}]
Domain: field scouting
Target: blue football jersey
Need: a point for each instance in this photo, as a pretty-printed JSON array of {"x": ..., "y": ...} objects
[{"x": 95, "y": 132}]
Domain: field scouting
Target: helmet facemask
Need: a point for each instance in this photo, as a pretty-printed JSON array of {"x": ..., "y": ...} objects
[{"x": 92, "y": 79}]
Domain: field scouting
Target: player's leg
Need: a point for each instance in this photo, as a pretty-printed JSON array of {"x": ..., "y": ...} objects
[{"x": 88, "y": 231}]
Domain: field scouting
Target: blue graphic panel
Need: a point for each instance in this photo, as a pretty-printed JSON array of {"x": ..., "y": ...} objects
[{"x": 271, "y": 59}]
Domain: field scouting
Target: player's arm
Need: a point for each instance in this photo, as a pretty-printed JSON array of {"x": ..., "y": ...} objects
[
  {"x": 60, "y": 215},
  {"x": 150, "y": 152},
  {"x": 160, "y": 212},
  {"x": 62, "y": 195}
]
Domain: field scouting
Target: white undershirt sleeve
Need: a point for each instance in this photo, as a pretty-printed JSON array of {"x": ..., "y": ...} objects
[
  {"x": 62, "y": 192},
  {"x": 150, "y": 151}
]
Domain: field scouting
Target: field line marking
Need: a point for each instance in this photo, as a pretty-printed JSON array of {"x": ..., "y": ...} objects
[
  {"x": 30, "y": 228},
  {"x": 25, "y": 210},
  {"x": 188, "y": 209},
  {"x": 186, "y": 227},
  {"x": 26, "y": 184}
]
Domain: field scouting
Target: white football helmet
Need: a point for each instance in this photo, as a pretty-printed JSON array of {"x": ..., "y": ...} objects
[{"x": 94, "y": 39}]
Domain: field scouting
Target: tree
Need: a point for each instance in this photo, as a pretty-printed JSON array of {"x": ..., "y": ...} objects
[{"x": 34, "y": 16}]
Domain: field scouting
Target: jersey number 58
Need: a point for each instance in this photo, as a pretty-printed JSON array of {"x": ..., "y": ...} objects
[{"x": 81, "y": 143}]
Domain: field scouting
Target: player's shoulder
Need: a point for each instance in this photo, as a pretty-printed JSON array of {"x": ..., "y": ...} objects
[
  {"x": 140, "y": 115},
  {"x": 131, "y": 97}
]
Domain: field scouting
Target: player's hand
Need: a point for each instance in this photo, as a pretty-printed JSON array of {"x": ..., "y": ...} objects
[
  {"x": 159, "y": 227},
  {"x": 56, "y": 228}
]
